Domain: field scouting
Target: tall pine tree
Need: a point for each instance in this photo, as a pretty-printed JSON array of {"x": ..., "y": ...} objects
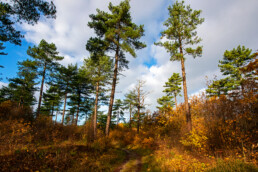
[
  {"x": 121, "y": 35},
  {"x": 46, "y": 56},
  {"x": 181, "y": 35}
]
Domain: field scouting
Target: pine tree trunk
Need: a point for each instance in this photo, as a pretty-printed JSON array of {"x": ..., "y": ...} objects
[
  {"x": 138, "y": 121},
  {"x": 64, "y": 108},
  {"x": 41, "y": 89},
  {"x": 187, "y": 109},
  {"x": 130, "y": 116},
  {"x": 111, "y": 101},
  {"x": 56, "y": 116},
  {"x": 77, "y": 114},
  {"x": 96, "y": 111}
]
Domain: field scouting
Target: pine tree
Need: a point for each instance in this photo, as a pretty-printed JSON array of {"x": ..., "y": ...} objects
[
  {"x": 181, "y": 33},
  {"x": 98, "y": 69},
  {"x": 173, "y": 86},
  {"x": 232, "y": 63},
  {"x": 46, "y": 56},
  {"x": 23, "y": 87},
  {"x": 122, "y": 35},
  {"x": 165, "y": 103},
  {"x": 220, "y": 87},
  {"x": 17, "y": 11},
  {"x": 65, "y": 78},
  {"x": 129, "y": 102},
  {"x": 81, "y": 92},
  {"x": 51, "y": 100},
  {"x": 118, "y": 110}
]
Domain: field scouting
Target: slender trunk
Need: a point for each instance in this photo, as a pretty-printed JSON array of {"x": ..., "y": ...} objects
[
  {"x": 96, "y": 111},
  {"x": 41, "y": 88},
  {"x": 77, "y": 114},
  {"x": 73, "y": 118},
  {"x": 64, "y": 108},
  {"x": 139, "y": 106},
  {"x": 138, "y": 122},
  {"x": 187, "y": 109},
  {"x": 20, "y": 102},
  {"x": 56, "y": 116},
  {"x": 52, "y": 111},
  {"x": 111, "y": 101},
  {"x": 130, "y": 116},
  {"x": 175, "y": 101}
]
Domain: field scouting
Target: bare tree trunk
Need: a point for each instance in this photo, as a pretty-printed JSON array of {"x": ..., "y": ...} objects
[
  {"x": 41, "y": 89},
  {"x": 111, "y": 101},
  {"x": 96, "y": 111},
  {"x": 188, "y": 115},
  {"x": 139, "y": 106},
  {"x": 64, "y": 109}
]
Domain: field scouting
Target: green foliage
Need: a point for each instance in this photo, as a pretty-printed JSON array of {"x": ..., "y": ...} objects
[
  {"x": 173, "y": 86},
  {"x": 118, "y": 110},
  {"x": 232, "y": 66},
  {"x": 220, "y": 87},
  {"x": 16, "y": 11},
  {"x": 22, "y": 88},
  {"x": 232, "y": 62},
  {"x": 166, "y": 102},
  {"x": 182, "y": 24}
]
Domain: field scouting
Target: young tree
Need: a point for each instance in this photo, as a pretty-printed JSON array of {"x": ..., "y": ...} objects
[
  {"x": 17, "y": 11},
  {"x": 220, "y": 87},
  {"x": 232, "y": 63},
  {"x": 118, "y": 110},
  {"x": 46, "y": 56},
  {"x": 99, "y": 70},
  {"x": 165, "y": 103},
  {"x": 173, "y": 86},
  {"x": 180, "y": 35},
  {"x": 23, "y": 87},
  {"x": 129, "y": 102},
  {"x": 65, "y": 78},
  {"x": 81, "y": 90},
  {"x": 51, "y": 99},
  {"x": 121, "y": 35}
]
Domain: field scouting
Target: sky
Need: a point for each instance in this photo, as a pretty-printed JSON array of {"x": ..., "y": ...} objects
[{"x": 227, "y": 24}]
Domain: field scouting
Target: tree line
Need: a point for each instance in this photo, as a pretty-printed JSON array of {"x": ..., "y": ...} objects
[{"x": 84, "y": 89}]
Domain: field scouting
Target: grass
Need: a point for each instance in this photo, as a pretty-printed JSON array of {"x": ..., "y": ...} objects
[{"x": 233, "y": 166}]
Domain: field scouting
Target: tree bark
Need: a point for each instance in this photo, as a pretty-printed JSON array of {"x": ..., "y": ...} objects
[
  {"x": 64, "y": 108},
  {"x": 96, "y": 111},
  {"x": 41, "y": 89},
  {"x": 187, "y": 109},
  {"x": 111, "y": 101},
  {"x": 56, "y": 116},
  {"x": 130, "y": 116},
  {"x": 77, "y": 114}
]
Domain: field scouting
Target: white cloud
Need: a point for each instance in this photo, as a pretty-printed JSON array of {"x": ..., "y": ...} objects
[
  {"x": 2, "y": 84},
  {"x": 227, "y": 24}
]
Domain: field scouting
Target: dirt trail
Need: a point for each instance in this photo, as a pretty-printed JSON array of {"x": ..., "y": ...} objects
[{"x": 132, "y": 163}]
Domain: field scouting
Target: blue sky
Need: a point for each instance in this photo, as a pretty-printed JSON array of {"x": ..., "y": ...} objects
[{"x": 227, "y": 24}]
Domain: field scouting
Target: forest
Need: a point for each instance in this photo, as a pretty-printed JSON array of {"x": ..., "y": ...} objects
[{"x": 52, "y": 116}]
